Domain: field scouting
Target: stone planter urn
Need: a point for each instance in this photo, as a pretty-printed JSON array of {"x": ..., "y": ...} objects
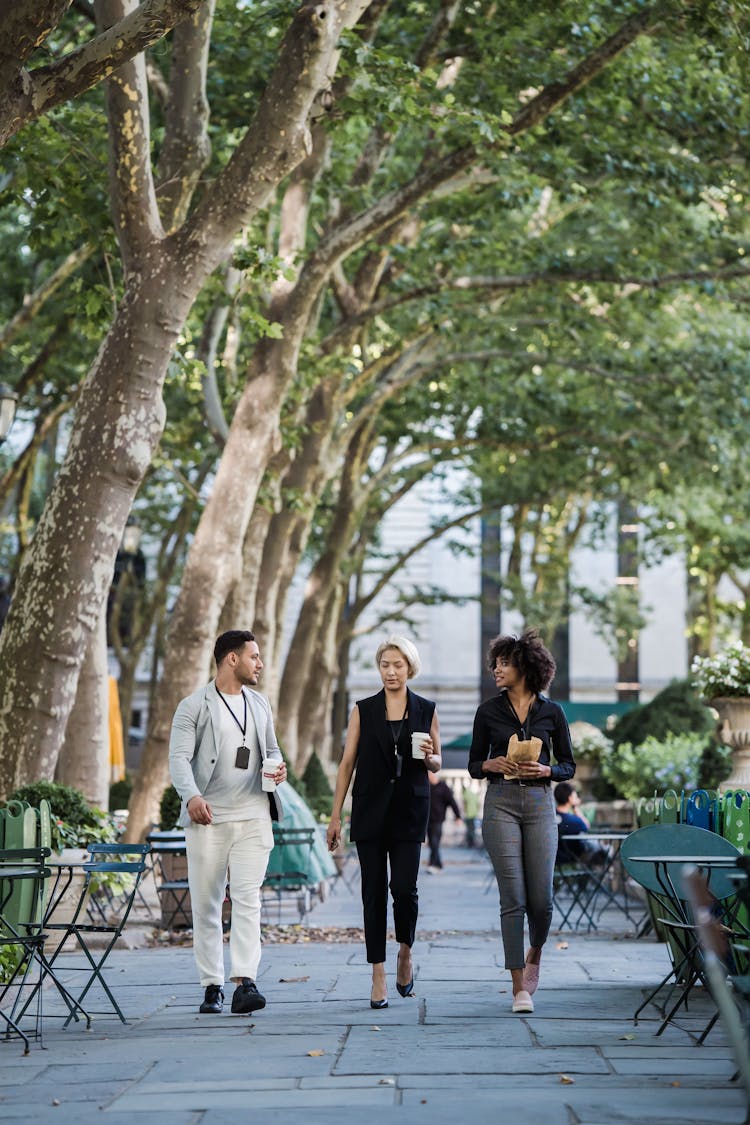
[{"x": 734, "y": 713}]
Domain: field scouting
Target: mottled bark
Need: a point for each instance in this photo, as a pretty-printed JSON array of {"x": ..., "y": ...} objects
[
  {"x": 64, "y": 579},
  {"x": 84, "y": 758},
  {"x": 325, "y": 575},
  {"x": 27, "y": 94},
  {"x": 212, "y": 567},
  {"x": 314, "y": 726},
  {"x": 186, "y": 149}
]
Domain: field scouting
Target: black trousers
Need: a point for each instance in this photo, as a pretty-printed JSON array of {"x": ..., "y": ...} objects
[
  {"x": 434, "y": 836},
  {"x": 375, "y": 856}
]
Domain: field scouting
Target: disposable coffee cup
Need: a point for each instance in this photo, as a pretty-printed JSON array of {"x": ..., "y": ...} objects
[
  {"x": 268, "y": 774},
  {"x": 416, "y": 744}
]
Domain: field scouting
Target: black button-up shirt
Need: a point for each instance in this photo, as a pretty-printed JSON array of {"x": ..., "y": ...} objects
[{"x": 495, "y": 721}]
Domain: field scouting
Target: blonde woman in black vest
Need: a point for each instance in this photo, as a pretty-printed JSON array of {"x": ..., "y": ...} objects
[{"x": 390, "y": 805}]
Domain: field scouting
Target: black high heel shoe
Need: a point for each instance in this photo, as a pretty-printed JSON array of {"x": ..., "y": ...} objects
[
  {"x": 406, "y": 989},
  {"x": 379, "y": 1003}
]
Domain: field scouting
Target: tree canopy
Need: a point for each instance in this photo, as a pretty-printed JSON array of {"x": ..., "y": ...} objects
[{"x": 297, "y": 257}]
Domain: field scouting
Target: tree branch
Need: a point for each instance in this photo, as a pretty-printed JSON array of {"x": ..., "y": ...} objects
[
  {"x": 593, "y": 64},
  {"x": 279, "y": 136},
  {"x": 401, "y": 559},
  {"x": 356, "y": 230},
  {"x": 23, "y": 28},
  {"x": 510, "y": 282},
  {"x": 31, "y": 93},
  {"x": 134, "y": 209},
  {"x": 33, "y": 302},
  {"x": 186, "y": 149}
]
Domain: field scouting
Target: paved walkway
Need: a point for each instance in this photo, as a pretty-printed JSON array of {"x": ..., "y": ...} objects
[{"x": 318, "y": 1054}]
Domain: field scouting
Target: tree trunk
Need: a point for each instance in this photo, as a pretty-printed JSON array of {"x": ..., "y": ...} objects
[
  {"x": 314, "y": 720},
  {"x": 126, "y": 690},
  {"x": 212, "y": 567},
  {"x": 84, "y": 758},
  {"x": 341, "y": 707},
  {"x": 311, "y": 623},
  {"x": 64, "y": 580}
]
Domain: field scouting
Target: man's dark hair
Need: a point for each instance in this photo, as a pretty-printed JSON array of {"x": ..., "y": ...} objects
[
  {"x": 231, "y": 641},
  {"x": 564, "y": 790},
  {"x": 528, "y": 654}
]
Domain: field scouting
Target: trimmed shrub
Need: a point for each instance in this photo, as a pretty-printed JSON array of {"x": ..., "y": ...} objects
[
  {"x": 655, "y": 765},
  {"x": 318, "y": 792},
  {"x": 75, "y": 822},
  {"x": 675, "y": 710},
  {"x": 169, "y": 809},
  {"x": 119, "y": 794},
  {"x": 65, "y": 802}
]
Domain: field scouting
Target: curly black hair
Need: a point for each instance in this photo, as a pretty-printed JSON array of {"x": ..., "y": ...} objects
[{"x": 528, "y": 654}]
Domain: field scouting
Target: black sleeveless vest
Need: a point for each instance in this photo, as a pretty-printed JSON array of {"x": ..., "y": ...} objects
[{"x": 383, "y": 804}]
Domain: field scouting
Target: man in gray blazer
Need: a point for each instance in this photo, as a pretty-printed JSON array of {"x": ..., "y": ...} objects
[{"x": 221, "y": 735}]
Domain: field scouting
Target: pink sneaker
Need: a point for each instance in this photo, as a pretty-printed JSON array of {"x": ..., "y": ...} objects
[
  {"x": 530, "y": 978},
  {"x": 522, "y": 1002}
]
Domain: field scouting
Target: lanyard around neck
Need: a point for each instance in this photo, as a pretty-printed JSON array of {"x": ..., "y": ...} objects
[
  {"x": 515, "y": 714},
  {"x": 242, "y": 725},
  {"x": 392, "y": 723}
]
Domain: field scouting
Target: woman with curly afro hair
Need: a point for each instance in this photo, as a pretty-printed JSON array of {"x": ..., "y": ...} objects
[{"x": 516, "y": 735}]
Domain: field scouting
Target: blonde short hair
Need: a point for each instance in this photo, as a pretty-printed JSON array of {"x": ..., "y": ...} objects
[{"x": 407, "y": 649}]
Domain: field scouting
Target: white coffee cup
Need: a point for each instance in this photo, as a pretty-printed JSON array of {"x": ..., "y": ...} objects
[
  {"x": 268, "y": 774},
  {"x": 416, "y": 743}
]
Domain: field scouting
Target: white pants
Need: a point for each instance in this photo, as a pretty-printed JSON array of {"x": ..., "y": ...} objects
[{"x": 243, "y": 848}]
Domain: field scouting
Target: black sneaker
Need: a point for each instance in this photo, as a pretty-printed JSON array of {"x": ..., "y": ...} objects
[
  {"x": 213, "y": 1001},
  {"x": 246, "y": 998}
]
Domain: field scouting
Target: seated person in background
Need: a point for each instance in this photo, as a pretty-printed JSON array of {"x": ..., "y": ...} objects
[{"x": 572, "y": 822}]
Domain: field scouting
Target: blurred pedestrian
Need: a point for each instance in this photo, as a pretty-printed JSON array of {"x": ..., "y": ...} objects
[
  {"x": 390, "y": 803},
  {"x": 470, "y": 802},
  {"x": 516, "y": 734},
  {"x": 441, "y": 799}
]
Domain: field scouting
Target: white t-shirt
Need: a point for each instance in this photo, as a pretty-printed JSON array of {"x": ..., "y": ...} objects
[{"x": 233, "y": 793}]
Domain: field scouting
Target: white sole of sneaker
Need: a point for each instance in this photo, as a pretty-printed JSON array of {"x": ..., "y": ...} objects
[{"x": 522, "y": 1002}]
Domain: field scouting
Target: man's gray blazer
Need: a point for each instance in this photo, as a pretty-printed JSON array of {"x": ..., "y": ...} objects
[{"x": 192, "y": 743}]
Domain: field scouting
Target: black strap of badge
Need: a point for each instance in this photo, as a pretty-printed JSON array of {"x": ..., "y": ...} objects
[
  {"x": 242, "y": 725},
  {"x": 391, "y": 723}
]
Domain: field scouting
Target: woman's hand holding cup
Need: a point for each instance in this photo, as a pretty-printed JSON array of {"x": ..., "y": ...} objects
[{"x": 421, "y": 744}]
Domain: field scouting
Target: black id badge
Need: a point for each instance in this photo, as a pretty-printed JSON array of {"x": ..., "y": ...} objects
[{"x": 242, "y": 761}]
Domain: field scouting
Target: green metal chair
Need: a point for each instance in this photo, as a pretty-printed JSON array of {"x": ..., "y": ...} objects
[
  {"x": 736, "y": 819},
  {"x": 671, "y": 808},
  {"x": 646, "y": 856},
  {"x": 647, "y": 810}
]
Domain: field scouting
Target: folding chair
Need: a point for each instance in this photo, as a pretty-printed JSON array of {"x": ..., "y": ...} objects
[
  {"x": 23, "y": 880},
  {"x": 572, "y": 886},
  {"x": 169, "y": 866},
  {"x": 22, "y": 877},
  {"x": 289, "y": 869},
  {"x": 127, "y": 860}
]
